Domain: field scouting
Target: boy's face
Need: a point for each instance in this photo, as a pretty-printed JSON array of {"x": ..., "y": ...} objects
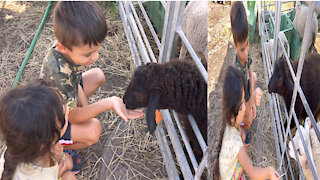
[
  {"x": 81, "y": 55},
  {"x": 243, "y": 50}
]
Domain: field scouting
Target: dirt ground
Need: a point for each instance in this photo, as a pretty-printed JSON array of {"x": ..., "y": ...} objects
[
  {"x": 221, "y": 54},
  {"x": 19, "y": 22}
]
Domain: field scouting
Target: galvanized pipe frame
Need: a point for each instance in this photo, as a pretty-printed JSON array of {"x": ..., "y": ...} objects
[
  {"x": 297, "y": 88},
  {"x": 176, "y": 29},
  {"x": 145, "y": 39},
  {"x": 266, "y": 67},
  {"x": 173, "y": 20},
  {"x": 126, "y": 15},
  {"x": 153, "y": 32},
  {"x": 285, "y": 109},
  {"x": 274, "y": 98},
  {"x": 160, "y": 135},
  {"x": 300, "y": 92}
]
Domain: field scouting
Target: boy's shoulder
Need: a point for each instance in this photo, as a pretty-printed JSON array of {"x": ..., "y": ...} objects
[
  {"x": 243, "y": 68},
  {"x": 63, "y": 75},
  {"x": 56, "y": 63}
]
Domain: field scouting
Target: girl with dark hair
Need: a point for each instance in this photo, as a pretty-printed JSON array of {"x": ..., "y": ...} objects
[
  {"x": 232, "y": 156},
  {"x": 32, "y": 119}
]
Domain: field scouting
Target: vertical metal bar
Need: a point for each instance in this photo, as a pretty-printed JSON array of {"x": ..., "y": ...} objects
[
  {"x": 203, "y": 164},
  {"x": 166, "y": 31},
  {"x": 164, "y": 4},
  {"x": 153, "y": 32},
  {"x": 166, "y": 153},
  {"x": 276, "y": 30},
  {"x": 173, "y": 19},
  {"x": 153, "y": 58},
  {"x": 307, "y": 31},
  {"x": 197, "y": 133},
  {"x": 185, "y": 140},
  {"x": 138, "y": 39},
  {"x": 127, "y": 30},
  {"x": 182, "y": 160}
]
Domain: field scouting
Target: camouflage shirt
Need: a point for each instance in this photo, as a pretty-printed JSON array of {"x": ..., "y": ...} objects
[
  {"x": 64, "y": 75},
  {"x": 245, "y": 71}
]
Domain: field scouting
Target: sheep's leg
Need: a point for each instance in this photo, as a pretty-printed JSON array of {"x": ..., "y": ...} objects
[{"x": 192, "y": 137}]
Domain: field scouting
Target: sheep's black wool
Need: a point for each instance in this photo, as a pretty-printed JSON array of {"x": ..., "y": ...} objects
[
  {"x": 281, "y": 82},
  {"x": 177, "y": 85}
]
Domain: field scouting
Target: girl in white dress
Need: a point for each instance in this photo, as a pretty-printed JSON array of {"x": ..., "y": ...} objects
[
  {"x": 232, "y": 156},
  {"x": 32, "y": 119}
]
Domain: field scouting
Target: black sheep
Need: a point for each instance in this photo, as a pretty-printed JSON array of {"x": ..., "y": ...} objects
[
  {"x": 177, "y": 85},
  {"x": 281, "y": 82}
]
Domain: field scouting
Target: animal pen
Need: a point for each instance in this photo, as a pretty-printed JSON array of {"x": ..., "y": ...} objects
[
  {"x": 142, "y": 53},
  {"x": 282, "y": 133}
]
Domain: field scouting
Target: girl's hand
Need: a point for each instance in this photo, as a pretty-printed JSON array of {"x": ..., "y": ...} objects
[
  {"x": 258, "y": 93},
  {"x": 254, "y": 109},
  {"x": 120, "y": 109},
  {"x": 273, "y": 174},
  {"x": 57, "y": 151},
  {"x": 62, "y": 167}
]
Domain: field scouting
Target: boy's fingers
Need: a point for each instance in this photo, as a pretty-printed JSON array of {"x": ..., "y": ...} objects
[
  {"x": 133, "y": 114},
  {"x": 123, "y": 116},
  {"x": 138, "y": 110}
]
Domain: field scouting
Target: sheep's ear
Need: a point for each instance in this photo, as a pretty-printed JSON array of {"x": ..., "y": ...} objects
[{"x": 153, "y": 104}]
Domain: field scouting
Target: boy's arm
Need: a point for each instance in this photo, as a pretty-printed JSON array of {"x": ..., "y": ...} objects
[
  {"x": 253, "y": 171},
  {"x": 252, "y": 83},
  {"x": 82, "y": 98},
  {"x": 82, "y": 114}
]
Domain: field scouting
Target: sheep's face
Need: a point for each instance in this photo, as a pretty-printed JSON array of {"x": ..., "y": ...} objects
[
  {"x": 276, "y": 81},
  {"x": 136, "y": 95},
  {"x": 279, "y": 79},
  {"x": 299, "y": 146}
]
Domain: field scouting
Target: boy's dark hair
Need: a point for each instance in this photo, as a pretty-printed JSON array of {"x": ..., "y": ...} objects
[
  {"x": 31, "y": 118},
  {"x": 239, "y": 22},
  {"x": 79, "y": 23},
  {"x": 233, "y": 86}
]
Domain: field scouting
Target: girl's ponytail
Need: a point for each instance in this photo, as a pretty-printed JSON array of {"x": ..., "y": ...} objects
[
  {"x": 10, "y": 165},
  {"x": 216, "y": 171},
  {"x": 233, "y": 86}
]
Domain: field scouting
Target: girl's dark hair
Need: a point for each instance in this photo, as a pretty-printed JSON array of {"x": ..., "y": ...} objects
[
  {"x": 233, "y": 86},
  {"x": 79, "y": 23},
  {"x": 31, "y": 117}
]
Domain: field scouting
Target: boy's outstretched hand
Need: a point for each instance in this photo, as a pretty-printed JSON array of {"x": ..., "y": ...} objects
[
  {"x": 258, "y": 93},
  {"x": 120, "y": 109}
]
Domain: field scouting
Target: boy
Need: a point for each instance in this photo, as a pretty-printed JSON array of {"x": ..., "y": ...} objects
[
  {"x": 239, "y": 26},
  {"x": 80, "y": 28}
]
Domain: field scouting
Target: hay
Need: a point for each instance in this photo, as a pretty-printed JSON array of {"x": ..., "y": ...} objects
[{"x": 115, "y": 60}]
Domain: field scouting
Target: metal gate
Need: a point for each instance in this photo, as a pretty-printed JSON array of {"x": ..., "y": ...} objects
[
  {"x": 141, "y": 49},
  {"x": 281, "y": 134}
]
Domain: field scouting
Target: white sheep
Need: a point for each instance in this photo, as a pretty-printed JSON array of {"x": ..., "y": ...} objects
[
  {"x": 306, "y": 132},
  {"x": 195, "y": 27},
  {"x": 315, "y": 144},
  {"x": 270, "y": 48},
  {"x": 299, "y": 23}
]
